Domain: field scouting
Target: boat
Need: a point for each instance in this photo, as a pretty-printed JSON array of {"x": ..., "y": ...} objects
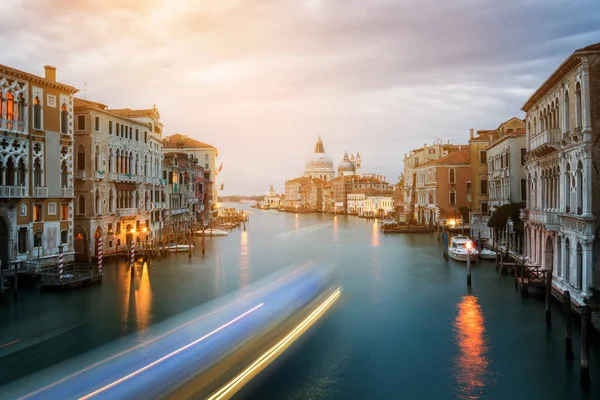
[
  {"x": 175, "y": 248},
  {"x": 487, "y": 254},
  {"x": 458, "y": 249},
  {"x": 212, "y": 232},
  {"x": 271, "y": 211}
]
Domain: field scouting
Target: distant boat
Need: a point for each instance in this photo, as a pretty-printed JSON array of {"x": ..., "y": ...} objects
[
  {"x": 212, "y": 232},
  {"x": 270, "y": 211},
  {"x": 175, "y": 248},
  {"x": 458, "y": 249}
]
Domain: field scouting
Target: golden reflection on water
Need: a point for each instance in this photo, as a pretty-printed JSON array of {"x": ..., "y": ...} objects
[
  {"x": 375, "y": 235},
  {"x": 335, "y": 228},
  {"x": 296, "y": 222},
  {"x": 471, "y": 363},
  {"x": 138, "y": 297},
  {"x": 244, "y": 262}
]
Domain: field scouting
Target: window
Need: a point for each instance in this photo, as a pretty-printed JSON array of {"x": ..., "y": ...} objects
[
  {"x": 64, "y": 212},
  {"x": 431, "y": 151},
  {"x": 509, "y": 131},
  {"x": 81, "y": 122},
  {"x": 51, "y": 208},
  {"x": 64, "y": 237},
  {"x": 206, "y": 157},
  {"x": 81, "y": 205},
  {"x": 37, "y": 113},
  {"x": 37, "y": 213},
  {"x": 37, "y": 239},
  {"x": 64, "y": 119},
  {"x": 117, "y": 129},
  {"x": 452, "y": 198},
  {"x": 97, "y": 124},
  {"x": 484, "y": 207},
  {"x": 145, "y": 137},
  {"x": 484, "y": 187},
  {"x": 137, "y": 135},
  {"x": 81, "y": 158},
  {"x": 483, "y": 157},
  {"x": 523, "y": 189},
  {"x": 523, "y": 152},
  {"x": 110, "y": 127},
  {"x": 22, "y": 246},
  {"x": 206, "y": 166},
  {"x": 130, "y": 133},
  {"x": 452, "y": 175}
]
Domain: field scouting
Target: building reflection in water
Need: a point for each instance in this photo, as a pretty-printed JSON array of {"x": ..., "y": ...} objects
[
  {"x": 335, "y": 228},
  {"x": 138, "y": 298},
  {"x": 244, "y": 261},
  {"x": 296, "y": 222},
  {"x": 375, "y": 235},
  {"x": 471, "y": 363}
]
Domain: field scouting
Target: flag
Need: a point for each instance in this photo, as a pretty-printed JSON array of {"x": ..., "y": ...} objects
[{"x": 221, "y": 187}]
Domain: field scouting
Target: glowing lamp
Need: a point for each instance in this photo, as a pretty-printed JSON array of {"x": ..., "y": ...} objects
[
  {"x": 469, "y": 245},
  {"x": 144, "y": 229},
  {"x": 132, "y": 230}
]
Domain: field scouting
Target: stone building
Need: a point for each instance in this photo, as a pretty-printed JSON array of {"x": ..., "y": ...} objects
[
  {"x": 441, "y": 186},
  {"x": 36, "y": 166},
  {"x": 506, "y": 173},
  {"x": 206, "y": 156},
  {"x": 563, "y": 127},
  {"x": 118, "y": 169}
]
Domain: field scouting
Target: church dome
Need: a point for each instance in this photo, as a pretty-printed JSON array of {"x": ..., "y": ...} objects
[
  {"x": 319, "y": 164},
  {"x": 346, "y": 167},
  {"x": 319, "y": 160}
]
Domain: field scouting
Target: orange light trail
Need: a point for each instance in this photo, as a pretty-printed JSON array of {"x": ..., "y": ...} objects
[
  {"x": 226, "y": 391},
  {"x": 173, "y": 353},
  {"x": 9, "y": 343}
]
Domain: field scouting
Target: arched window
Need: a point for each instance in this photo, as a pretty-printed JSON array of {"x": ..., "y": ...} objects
[
  {"x": 117, "y": 161},
  {"x": 37, "y": 173},
  {"x": 147, "y": 202},
  {"x": 578, "y": 109},
  {"x": 64, "y": 175},
  {"x": 81, "y": 205},
  {"x": 145, "y": 165},
  {"x": 567, "y": 260},
  {"x": 568, "y": 188},
  {"x": 452, "y": 175},
  {"x": 137, "y": 200},
  {"x": 452, "y": 197},
  {"x": 10, "y": 109},
  {"x": 558, "y": 257},
  {"x": 81, "y": 158},
  {"x": 10, "y": 172},
  {"x": 111, "y": 206},
  {"x": 579, "y": 266},
  {"x": 64, "y": 119},
  {"x": 97, "y": 202},
  {"x": 566, "y": 112},
  {"x": 97, "y": 158},
  {"x": 579, "y": 188},
  {"x": 21, "y": 173},
  {"x": 137, "y": 162},
  {"x": 37, "y": 113},
  {"x": 64, "y": 237},
  {"x": 21, "y": 109},
  {"x": 110, "y": 160}
]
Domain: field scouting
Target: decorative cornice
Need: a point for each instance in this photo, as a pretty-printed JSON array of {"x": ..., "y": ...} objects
[
  {"x": 566, "y": 67},
  {"x": 15, "y": 73}
]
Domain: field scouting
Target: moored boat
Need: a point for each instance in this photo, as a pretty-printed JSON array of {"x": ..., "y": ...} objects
[
  {"x": 458, "y": 249},
  {"x": 212, "y": 232},
  {"x": 487, "y": 254},
  {"x": 175, "y": 248}
]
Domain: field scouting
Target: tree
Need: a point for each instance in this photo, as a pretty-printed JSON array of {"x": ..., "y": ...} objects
[{"x": 500, "y": 217}]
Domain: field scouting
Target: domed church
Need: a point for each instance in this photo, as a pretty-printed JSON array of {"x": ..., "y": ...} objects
[
  {"x": 319, "y": 165},
  {"x": 350, "y": 166}
]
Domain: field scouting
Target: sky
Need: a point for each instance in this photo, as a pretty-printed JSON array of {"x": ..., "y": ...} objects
[{"x": 262, "y": 79}]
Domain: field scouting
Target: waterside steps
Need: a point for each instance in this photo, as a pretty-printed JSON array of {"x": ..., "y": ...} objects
[{"x": 74, "y": 275}]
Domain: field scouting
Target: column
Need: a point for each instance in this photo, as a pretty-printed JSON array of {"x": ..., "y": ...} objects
[
  {"x": 587, "y": 262},
  {"x": 585, "y": 112},
  {"x": 561, "y": 185},
  {"x": 587, "y": 186}
]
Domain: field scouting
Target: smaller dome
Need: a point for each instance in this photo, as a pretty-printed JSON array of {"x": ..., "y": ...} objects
[{"x": 346, "y": 165}]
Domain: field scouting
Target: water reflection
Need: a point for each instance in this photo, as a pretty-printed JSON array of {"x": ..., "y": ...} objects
[
  {"x": 376, "y": 274},
  {"x": 375, "y": 235},
  {"x": 244, "y": 261},
  {"x": 471, "y": 363},
  {"x": 296, "y": 222},
  {"x": 137, "y": 307},
  {"x": 335, "y": 228}
]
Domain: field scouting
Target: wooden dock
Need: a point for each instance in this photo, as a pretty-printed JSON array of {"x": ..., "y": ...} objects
[{"x": 74, "y": 276}]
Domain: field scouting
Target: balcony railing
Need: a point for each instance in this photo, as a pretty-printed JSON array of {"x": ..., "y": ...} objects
[
  {"x": 10, "y": 125},
  {"x": 126, "y": 212},
  {"x": 13, "y": 191},
  {"x": 549, "y": 219},
  {"x": 68, "y": 192},
  {"x": 112, "y": 176},
  {"x": 100, "y": 174},
  {"x": 80, "y": 175},
  {"x": 40, "y": 192},
  {"x": 176, "y": 211},
  {"x": 548, "y": 137}
]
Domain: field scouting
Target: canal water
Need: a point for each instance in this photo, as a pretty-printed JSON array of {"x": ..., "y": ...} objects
[{"x": 406, "y": 325}]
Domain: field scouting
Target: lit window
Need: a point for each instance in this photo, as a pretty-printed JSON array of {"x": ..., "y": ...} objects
[
  {"x": 64, "y": 212},
  {"x": 64, "y": 119},
  {"x": 37, "y": 113},
  {"x": 37, "y": 213}
]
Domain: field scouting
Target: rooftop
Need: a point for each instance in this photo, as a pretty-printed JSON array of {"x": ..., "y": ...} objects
[
  {"x": 184, "y": 142},
  {"x": 27, "y": 76}
]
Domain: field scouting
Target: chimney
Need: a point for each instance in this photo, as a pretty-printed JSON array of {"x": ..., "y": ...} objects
[
  {"x": 50, "y": 72},
  {"x": 471, "y": 130}
]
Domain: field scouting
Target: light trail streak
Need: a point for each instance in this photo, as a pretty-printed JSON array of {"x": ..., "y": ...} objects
[
  {"x": 9, "y": 343},
  {"x": 276, "y": 349},
  {"x": 173, "y": 353},
  {"x": 124, "y": 352}
]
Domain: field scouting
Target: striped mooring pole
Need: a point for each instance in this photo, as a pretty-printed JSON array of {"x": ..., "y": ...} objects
[
  {"x": 99, "y": 258},
  {"x": 60, "y": 262},
  {"x": 132, "y": 253}
]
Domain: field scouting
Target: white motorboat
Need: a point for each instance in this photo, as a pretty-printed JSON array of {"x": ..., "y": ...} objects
[
  {"x": 212, "y": 232},
  {"x": 487, "y": 254},
  {"x": 458, "y": 249},
  {"x": 175, "y": 248}
]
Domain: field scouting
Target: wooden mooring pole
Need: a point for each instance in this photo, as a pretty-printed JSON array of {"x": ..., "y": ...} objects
[
  {"x": 16, "y": 284},
  {"x": 586, "y": 318},
  {"x": 469, "y": 264},
  {"x": 548, "y": 299},
  {"x": 568, "y": 338},
  {"x": 1, "y": 282}
]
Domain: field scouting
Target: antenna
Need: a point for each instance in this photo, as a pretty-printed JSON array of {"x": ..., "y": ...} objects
[{"x": 85, "y": 90}]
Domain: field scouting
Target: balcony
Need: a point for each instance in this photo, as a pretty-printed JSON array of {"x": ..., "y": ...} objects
[
  {"x": 13, "y": 191},
  {"x": 177, "y": 211},
  {"x": 80, "y": 175},
  {"x": 127, "y": 212},
  {"x": 159, "y": 205},
  {"x": 545, "y": 142},
  {"x": 100, "y": 175},
  {"x": 549, "y": 219},
  {"x": 68, "y": 192},
  {"x": 112, "y": 176},
  {"x": 40, "y": 192}
]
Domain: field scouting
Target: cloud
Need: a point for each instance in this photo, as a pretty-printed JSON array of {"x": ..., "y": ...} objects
[{"x": 260, "y": 79}]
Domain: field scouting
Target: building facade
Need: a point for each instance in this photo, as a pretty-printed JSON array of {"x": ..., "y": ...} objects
[
  {"x": 563, "y": 126},
  {"x": 36, "y": 160},
  {"x": 118, "y": 169},
  {"x": 506, "y": 173}
]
